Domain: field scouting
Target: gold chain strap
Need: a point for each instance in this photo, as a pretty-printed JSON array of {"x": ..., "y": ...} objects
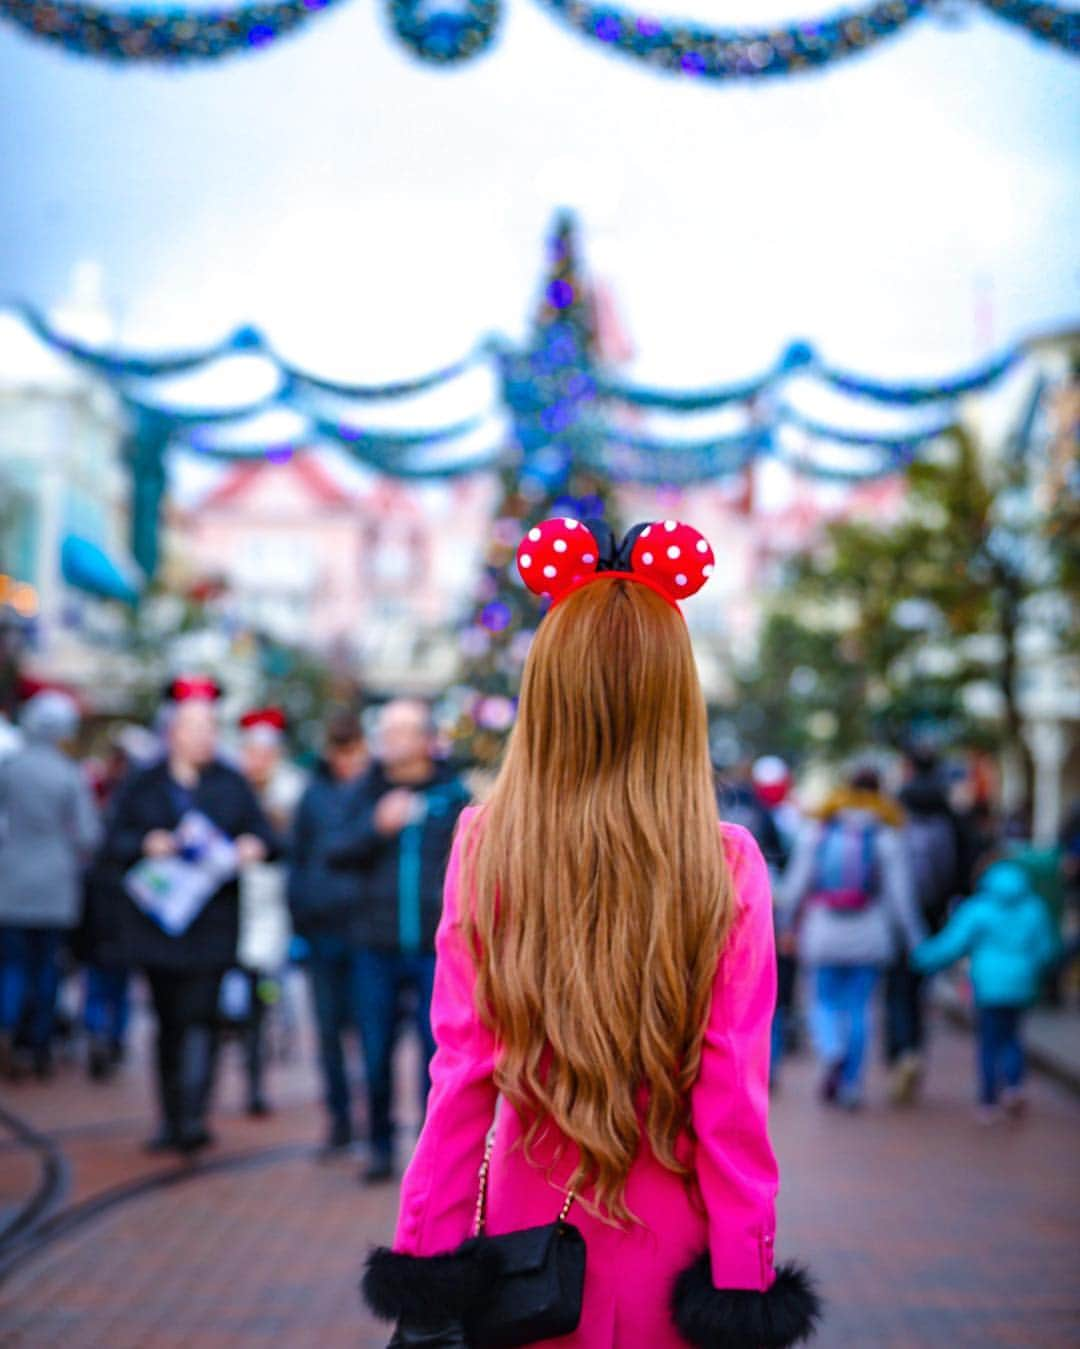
[{"x": 480, "y": 1216}]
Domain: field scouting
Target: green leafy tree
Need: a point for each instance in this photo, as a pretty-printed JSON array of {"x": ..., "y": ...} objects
[
  {"x": 802, "y": 694},
  {"x": 898, "y": 621}
]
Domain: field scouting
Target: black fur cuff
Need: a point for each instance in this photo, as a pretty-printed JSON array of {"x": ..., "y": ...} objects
[
  {"x": 426, "y": 1289},
  {"x": 738, "y": 1318}
]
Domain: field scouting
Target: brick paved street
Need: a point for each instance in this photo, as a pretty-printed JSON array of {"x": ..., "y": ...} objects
[{"x": 924, "y": 1229}]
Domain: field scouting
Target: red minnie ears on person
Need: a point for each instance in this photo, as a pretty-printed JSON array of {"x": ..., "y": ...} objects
[
  {"x": 184, "y": 687},
  {"x": 556, "y": 553},
  {"x": 271, "y": 717},
  {"x": 674, "y": 555},
  {"x": 559, "y": 555}
]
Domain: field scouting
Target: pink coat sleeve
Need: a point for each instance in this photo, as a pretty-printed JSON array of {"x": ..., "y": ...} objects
[
  {"x": 736, "y": 1167},
  {"x": 438, "y": 1192}
]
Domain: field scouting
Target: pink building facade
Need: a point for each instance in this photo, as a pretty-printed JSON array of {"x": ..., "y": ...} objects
[{"x": 316, "y": 561}]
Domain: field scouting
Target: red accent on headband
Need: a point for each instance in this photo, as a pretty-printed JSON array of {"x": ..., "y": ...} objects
[
  {"x": 581, "y": 581},
  {"x": 273, "y": 717},
  {"x": 561, "y": 555},
  {"x": 186, "y": 687}
]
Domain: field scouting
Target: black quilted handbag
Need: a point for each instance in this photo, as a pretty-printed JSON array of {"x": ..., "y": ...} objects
[{"x": 541, "y": 1281}]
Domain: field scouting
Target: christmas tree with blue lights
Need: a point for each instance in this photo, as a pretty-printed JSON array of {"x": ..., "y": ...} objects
[{"x": 555, "y": 468}]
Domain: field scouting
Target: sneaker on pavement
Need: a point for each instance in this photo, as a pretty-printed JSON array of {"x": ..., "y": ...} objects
[
  {"x": 850, "y": 1098},
  {"x": 906, "y": 1079},
  {"x": 194, "y": 1140},
  {"x": 338, "y": 1141},
  {"x": 830, "y": 1083},
  {"x": 99, "y": 1062},
  {"x": 379, "y": 1171},
  {"x": 1015, "y": 1102},
  {"x": 163, "y": 1141}
]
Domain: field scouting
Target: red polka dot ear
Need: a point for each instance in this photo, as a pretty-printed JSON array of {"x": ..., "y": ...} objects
[
  {"x": 556, "y": 553},
  {"x": 675, "y": 556}
]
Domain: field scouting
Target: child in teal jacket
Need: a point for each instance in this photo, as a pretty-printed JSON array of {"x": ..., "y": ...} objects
[{"x": 1005, "y": 929}]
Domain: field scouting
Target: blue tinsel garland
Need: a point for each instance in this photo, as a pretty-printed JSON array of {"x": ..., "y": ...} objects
[
  {"x": 448, "y": 32},
  {"x": 559, "y": 409},
  {"x": 726, "y": 53},
  {"x": 441, "y": 34}
]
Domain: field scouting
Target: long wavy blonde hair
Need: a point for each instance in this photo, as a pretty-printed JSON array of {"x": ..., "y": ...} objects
[{"x": 599, "y": 897}]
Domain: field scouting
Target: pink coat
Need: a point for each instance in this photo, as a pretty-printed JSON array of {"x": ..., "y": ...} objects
[{"x": 629, "y": 1273}]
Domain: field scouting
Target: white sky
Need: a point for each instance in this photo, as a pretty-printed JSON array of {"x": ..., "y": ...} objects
[{"x": 376, "y": 215}]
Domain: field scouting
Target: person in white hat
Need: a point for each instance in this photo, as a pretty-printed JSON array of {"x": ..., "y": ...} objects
[{"x": 48, "y": 830}]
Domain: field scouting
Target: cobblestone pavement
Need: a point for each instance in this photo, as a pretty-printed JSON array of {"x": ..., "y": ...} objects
[{"x": 925, "y": 1230}]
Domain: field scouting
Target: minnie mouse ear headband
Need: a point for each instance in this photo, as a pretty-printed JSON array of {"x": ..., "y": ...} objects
[
  {"x": 265, "y": 725},
  {"x": 272, "y": 717},
  {"x": 561, "y": 555},
  {"x": 184, "y": 688}
]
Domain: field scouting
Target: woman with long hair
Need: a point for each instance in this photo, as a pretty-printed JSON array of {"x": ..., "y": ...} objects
[{"x": 606, "y": 968}]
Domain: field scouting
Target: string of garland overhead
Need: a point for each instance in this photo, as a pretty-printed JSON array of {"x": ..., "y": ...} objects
[
  {"x": 246, "y": 340},
  {"x": 450, "y": 32},
  {"x": 373, "y": 453},
  {"x": 806, "y": 466},
  {"x": 1052, "y": 23},
  {"x": 726, "y": 54},
  {"x": 563, "y": 411},
  {"x": 798, "y": 359},
  {"x": 626, "y": 455},
  {"x": 402, "y": 388},
  {"x": 545, "y": 404},
  {"x": 653, "y": 463},
  {"x": 124, "y": 365},
  {"x": 901, "y": 441}
]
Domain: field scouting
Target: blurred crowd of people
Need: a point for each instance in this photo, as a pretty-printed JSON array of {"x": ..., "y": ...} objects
[
  {"x": 874, "y": 892},
  {"x": 211, "y": 873}
]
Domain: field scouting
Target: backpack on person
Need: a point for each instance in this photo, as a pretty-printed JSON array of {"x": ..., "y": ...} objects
[{"x": 845, "y": 870}]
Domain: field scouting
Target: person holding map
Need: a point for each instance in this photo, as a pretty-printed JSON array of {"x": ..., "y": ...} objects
[{"x": 180, "y": 832}]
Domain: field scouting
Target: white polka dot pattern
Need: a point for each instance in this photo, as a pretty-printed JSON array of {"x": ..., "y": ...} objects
[
  {"x": 682, "y": 566},
  {"x": 556, "y": 553}
]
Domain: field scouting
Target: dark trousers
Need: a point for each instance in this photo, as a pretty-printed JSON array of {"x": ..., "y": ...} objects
[
  {"x": 787, "y": 969},
  {"x": 30, "y": 979},
  {"x": 187, "y": 1012},
  {"x": 1001, "y": 1051},
  {"x": 107, "y": 1006},
  {"x": 334, "y": 984},
  {"x": 381, "y": 978},
  {"x": 261, "y": 987},
  {"x": 903, "y": 1022}
]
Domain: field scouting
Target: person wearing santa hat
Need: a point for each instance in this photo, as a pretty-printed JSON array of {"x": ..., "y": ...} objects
[
  {"x": 265, "y": 930},
  {"x": 184, "y": 969}
]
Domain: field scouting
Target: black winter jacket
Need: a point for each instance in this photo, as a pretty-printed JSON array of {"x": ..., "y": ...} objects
[
  {"x": 149, "y": 800},
  {"x": 402, "y": 876},
  {"x": 323, "y": 898}
]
